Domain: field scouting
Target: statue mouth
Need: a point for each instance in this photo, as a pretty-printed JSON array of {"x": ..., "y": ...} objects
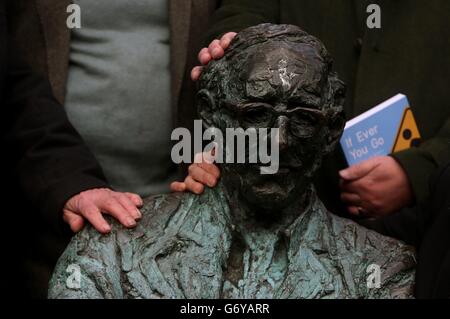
[{"x": 282, "y": 169}]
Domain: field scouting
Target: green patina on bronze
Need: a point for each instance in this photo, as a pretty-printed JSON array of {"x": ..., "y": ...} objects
[{"x": 253, "y": 236}]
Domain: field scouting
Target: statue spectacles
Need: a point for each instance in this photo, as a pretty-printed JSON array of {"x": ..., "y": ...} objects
[{"x": 303, "y": 122}]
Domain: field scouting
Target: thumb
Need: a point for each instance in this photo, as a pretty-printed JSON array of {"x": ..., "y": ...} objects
[
  {"x": 76, "y": 222},
  {"x": 210, "y": 156},
  {"x": 358, "y": 170},
  {"x": 178, "y": 187},
  {"x": 225, "y": 41}
]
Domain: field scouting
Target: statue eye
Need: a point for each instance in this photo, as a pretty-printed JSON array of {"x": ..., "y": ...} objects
[
  {"x": 303, "y": 118},
  {"x": 257, "y": 117},
  {"x": 304, "y": 125}
]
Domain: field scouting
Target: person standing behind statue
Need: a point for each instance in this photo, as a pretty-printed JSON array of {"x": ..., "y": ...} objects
[
  {"x": 409, "y": 54},
  {"x": 46, "y": 164},
  {"x": 120, "y": 79},
  {"x": 403, "y": 56}
]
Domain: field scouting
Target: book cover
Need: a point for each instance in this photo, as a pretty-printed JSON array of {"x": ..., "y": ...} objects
[{"x": 385, "y": 129}]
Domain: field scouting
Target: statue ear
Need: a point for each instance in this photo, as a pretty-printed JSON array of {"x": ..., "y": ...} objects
[
  {"x": 337, "y": 91},
  {"x": 336, "y": 123},
  {"x": 206, "y": 107},
  {"x": 336, "y": 126}
]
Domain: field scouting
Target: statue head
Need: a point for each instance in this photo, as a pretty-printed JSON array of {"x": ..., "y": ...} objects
[{"x": 275, "y": 76}]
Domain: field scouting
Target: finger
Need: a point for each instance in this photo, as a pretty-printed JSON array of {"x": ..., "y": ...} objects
[
  {"x": 344, "y": 184},
  {"x": 204, "y": 56},
  {"x": 359, "y": 170},
  {"x": 205, "y": 161},
  {"x": 226, "y": 39},
  {"x": 198, "y": 174},
  {"x": 196, "y": 72},
  {"x": 135, "y": 198},
  {"x": 94, "y": 216},
  {"x": 113, "y": 207},
  {"x": 206, "y": 156},
  {"x": 129, "y": 205},
  {"x": 211, "y": 169},
  {"x": 199, "y": 158},
  {"x": 178, "y": 187},
  {"x": 356, "y": 187},
  {"x": 76, "y": 222},
  {"x": 353, "y": 210},
  {"x": 363, "y": 212},
  {"x": 350, "y": 186},
  {"x": 193, "y": 186},
  {"x": 363, "y": 187},
  {"x": 351, "y": 199},
  {"x": 216, "y": 50}
]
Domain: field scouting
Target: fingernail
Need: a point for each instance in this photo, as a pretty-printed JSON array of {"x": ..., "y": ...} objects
[
  {"x": 211, "y": 182},
  {"x": 343, "y": 174},
  {"x": 106, "y": 228},
  {"x": 138, "y": 213},
  {"x": 131, "y": 222}
]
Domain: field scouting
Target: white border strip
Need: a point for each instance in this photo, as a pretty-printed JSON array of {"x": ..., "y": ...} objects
[{"x": 374, "y": 110}]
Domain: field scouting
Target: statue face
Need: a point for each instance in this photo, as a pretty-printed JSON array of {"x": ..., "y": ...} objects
[{"x": 281, "y": 85}]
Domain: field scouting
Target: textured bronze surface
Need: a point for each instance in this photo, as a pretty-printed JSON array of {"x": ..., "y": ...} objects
[{"x": 253, "y": 236}]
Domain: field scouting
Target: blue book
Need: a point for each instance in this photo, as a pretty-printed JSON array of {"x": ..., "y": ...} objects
[{"x": 385, "y": 129}]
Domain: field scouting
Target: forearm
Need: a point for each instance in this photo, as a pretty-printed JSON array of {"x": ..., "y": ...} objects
[
  {"x": 235, "y": 15},
  {"x": 53, "y": 163}
]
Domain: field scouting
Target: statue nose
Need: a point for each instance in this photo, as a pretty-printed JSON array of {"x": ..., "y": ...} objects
[{"x": 282, "y": 124}]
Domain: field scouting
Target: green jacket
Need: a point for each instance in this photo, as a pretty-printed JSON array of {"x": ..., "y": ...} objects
[{"x": 408, "y": 55}]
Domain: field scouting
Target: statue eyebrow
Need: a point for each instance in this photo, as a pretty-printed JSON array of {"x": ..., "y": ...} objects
[
  {"x": 311, "y": 100},
  {"x": 269, "y": 95},
  {"x": 242, "y": 106}
]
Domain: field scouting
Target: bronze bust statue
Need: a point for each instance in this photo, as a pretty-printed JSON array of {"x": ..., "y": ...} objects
[{"x": 253, "y": 236}]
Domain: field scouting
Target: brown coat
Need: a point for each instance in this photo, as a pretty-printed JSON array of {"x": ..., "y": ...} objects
[{"x": 43, "y": 39}]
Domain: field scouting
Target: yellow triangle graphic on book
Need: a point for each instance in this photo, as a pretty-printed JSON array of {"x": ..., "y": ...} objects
[{"x": 408, "y": 135}]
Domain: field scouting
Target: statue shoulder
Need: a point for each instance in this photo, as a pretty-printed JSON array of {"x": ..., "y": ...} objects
[
  {"x": 110, "y": 265},
  {"x": 388, "y": 259},
  {"x": 158, "y": 210}
]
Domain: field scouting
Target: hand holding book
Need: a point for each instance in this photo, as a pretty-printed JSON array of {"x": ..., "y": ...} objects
[
  {"x": 375, "y": 184},
  {"x": 375, "y": 187}
]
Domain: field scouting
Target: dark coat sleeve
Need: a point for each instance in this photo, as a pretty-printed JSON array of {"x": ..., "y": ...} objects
[
  {"x": 52, "y": 162},
  {"x": 411, "y": 224},
  {"x": 421, "y": 163},
  {"x": 426, "y": 226},
  {"x": 236, "y": 15}
]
